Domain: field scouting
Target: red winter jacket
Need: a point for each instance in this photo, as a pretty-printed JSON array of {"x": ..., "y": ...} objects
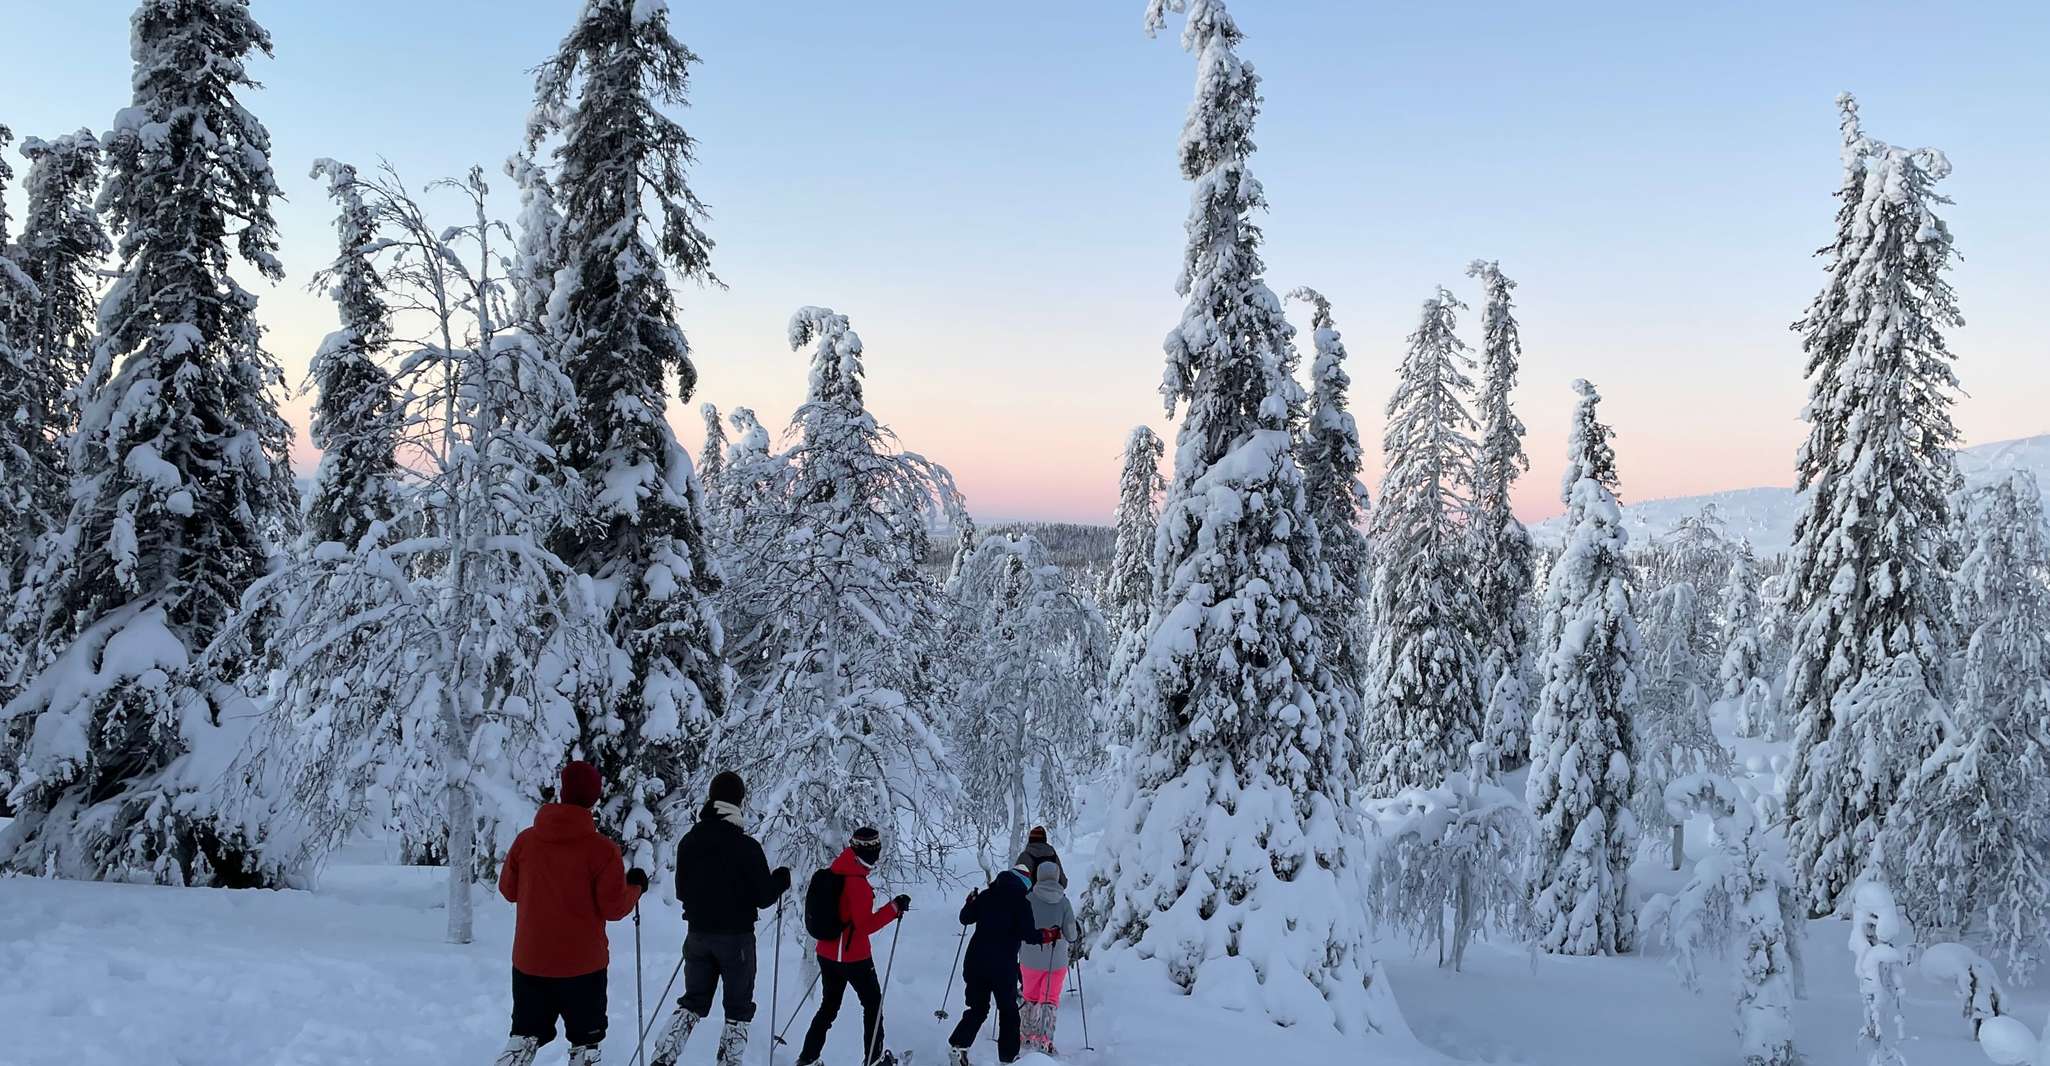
[
  {"x": 858, "y": 910},
  {"x": 567, "y": 882}
]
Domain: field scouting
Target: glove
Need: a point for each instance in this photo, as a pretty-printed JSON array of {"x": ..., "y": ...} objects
[
  {"x": 781, "y": 876},
  {"x": 1050, "y": 935},
  {"x": 638, "y": 878},
  {"x": 973, "y": 895},
  {"x": 903, "y": 904}
]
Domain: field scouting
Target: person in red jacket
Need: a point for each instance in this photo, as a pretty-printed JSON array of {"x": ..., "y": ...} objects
[
  {"x": 566, "y": 883},
  {"x": 847, "y": 960}
]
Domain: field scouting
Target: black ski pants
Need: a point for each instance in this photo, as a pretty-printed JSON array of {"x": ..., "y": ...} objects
[
  {"x": 710, "y": 959},
  {"x": 982, "y": 991},
  {"x": 578, "y": 1001},
  {"x": 834, "y": 979}
]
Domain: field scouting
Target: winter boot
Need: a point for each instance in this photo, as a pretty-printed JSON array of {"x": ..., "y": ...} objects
[
  {"x": 519, "y": 1051},
  {"x": 733, "y": 1043},
  {"x": 584, "y": 1055},
  {"x": 957, "y": 1056},
  {"x": 669, "y": 1046}
]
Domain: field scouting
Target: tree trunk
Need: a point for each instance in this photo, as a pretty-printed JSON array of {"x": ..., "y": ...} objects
[
  {"x": 462, "y": 845},
  {"x": 1679, "y": 844}
]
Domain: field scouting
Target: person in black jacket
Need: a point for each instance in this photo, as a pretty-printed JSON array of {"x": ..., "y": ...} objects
[
  {"x": 1002, "y": 917},
  {"x": 723, "y": 880}
]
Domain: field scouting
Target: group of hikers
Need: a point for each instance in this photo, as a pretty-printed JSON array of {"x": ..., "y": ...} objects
[{"x": 565, "y": 880}]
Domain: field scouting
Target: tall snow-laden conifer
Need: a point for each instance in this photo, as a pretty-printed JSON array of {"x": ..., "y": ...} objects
[
  {"x": 63, "y": 244},
  {"x": 1127, "y": 595},
  {"x": 1424, "y": 663},
  {"x": 1745, "y": 690},
  {"x": 31, "y": 471},
  {"x": 627, "y": 214},
  {"x": 1330, "y": 447},
  {"x": 1582, "y": 750},
  {"x": 712, "y": 457},
  {"x": 1868, "y": 586},
  {"x": 356, "y": 417},
  {"x": 835, "y": 632},
  {"x": 1969, "y": 840},
  {"x": 1227, "y": 861},
  {"x": 538, "y": 248},
  {"x": 181, "y": 494},
  {"x": 1502, "y": 548}
]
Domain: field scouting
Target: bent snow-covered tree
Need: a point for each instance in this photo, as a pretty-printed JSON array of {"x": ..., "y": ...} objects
[
  {"x": 1423, "y": 686},
  {"x": 1228, "y": 859},
  {"x": 1028, "y": 654},
  {"x": 1582, "y": 751},
  {"x": 180, "y": 495},
  {"x": 628, "y": 213},
  {"x": 1502, "y": 563},
  {"x": 1868, "y": 577}
]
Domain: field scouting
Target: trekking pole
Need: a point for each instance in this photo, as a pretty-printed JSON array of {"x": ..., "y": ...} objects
[
  {"x": 884, "y": 995},
  {"x": 799, "y": 1009},
  {"x": 775, "y": 974},
  {"x": 1085, "y": 1006},
  {"x": 663, "y": 998},
  {"x": 948, "y": 995},
  {"x": 640, "y": 989}
]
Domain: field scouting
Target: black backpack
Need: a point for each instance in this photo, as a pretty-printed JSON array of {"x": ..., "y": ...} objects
[{"x": 822, "y": 906}]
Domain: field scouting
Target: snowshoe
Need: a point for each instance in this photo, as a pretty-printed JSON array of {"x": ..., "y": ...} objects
[{"x": 519, "y": 1051}]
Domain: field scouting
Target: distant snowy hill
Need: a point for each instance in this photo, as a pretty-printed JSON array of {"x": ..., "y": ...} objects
[{"x": 1765, "y": 516}]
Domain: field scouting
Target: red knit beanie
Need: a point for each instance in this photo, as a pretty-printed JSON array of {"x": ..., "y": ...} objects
[{"x": 581, "y": 784}]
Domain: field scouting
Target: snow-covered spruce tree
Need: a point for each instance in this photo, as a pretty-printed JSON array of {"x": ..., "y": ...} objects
[
  {"x": 1127, "y": 594},
  {"x": 1329, "y": 446},
  {"x": 60, "y": 252},
  {"x": 1028, "y": 655},
  {"x": 1228, "y": 856},
  {"x": 834, "y": 632},
  {"x": 1673, "y": 735},
  {"x": 1741, "y": 897},
  {"x": 537, "y": 249},
  {"x": 1745, "y": 691},
  {"x": 1583, "y": 754},
  {"x": 1424, "y": 662},
  {"x": 180, "y": 491},
  {"x": 1868, "y": 584},
  {"x": 356, "y": 418},
  {"x": 627, "y": 214},
  {"x": 427, "y": 683},
  {"x": 712, "y": 457},
  {"x": 31, "y": 471},
  {"x": 1968, "y": 843},
  {"x": 1451, "y": 863},
  {"x": 1502, "y": 548}
]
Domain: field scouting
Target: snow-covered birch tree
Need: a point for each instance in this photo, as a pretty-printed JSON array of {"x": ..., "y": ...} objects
[
  {"x": 1673, "y": 734},
  {"x": 1502, "y": 548},
  {"x": 180, "y": 496},
  {"x": 628, "y": 213},
  {"x": 1868, "y": 590},
  {"x": 1424, "y": 662},
  {"x": 1582, "y": 749},
  {"x": 1228, "y": 857}
]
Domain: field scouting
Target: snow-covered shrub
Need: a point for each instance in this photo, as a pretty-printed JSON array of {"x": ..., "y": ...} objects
[
  {"x": 1741, "y": 904},
  {"x": 1880, "y": 939},
  {"x": 1451, "y": 863},
  {"x": 1978, "y": 985}
]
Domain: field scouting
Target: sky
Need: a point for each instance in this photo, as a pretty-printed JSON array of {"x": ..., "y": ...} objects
[{"x": 989, "y": 192}]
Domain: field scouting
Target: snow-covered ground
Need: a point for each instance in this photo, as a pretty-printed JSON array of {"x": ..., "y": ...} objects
[{"x": 357, "y": 972}]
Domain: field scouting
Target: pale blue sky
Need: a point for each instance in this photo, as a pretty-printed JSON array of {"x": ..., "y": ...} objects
[{"x": 988, "y": 190}]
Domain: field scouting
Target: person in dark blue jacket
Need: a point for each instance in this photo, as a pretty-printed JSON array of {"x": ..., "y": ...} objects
[{"x": 1002, "y": 917}]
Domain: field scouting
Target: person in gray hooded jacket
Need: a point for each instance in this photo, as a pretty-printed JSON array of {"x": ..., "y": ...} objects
[{"x": 1045, "y": 966}]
